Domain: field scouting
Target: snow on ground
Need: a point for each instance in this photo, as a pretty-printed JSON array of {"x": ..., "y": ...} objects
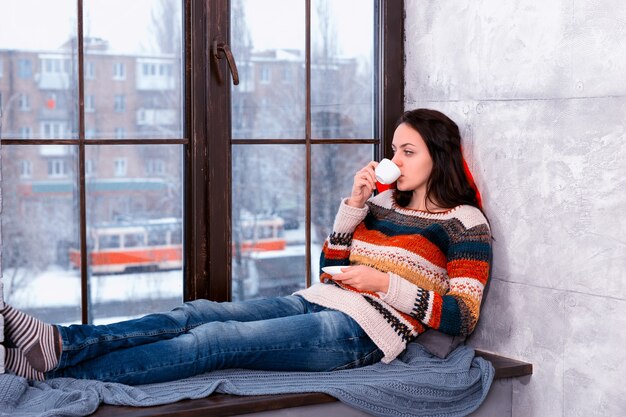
[{"x": 61, "y": 287}]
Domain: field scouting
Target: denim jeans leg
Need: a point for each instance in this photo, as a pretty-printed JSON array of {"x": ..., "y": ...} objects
[
  {"x": 83, "y": 342},
  {"x": 317, "y": 341}
]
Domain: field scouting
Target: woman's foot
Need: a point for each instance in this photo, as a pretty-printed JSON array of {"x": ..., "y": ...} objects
[
  {"x": 35, "y": 339},
  {"x": 16, "y": 362}
]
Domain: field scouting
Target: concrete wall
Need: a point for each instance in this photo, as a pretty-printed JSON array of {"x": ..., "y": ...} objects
[{"x": 538, "y": 90}]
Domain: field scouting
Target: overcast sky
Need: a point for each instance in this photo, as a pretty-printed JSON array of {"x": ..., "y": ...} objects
[{"x": 47, "y": 24}]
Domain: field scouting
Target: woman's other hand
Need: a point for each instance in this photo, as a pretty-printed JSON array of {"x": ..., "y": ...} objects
[
  {"x": 363, "y": 278},
  {"x": 363, "y": 186}
]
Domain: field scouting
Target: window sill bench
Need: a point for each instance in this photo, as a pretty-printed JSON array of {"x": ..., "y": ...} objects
[{"x": 230, "y": 405}]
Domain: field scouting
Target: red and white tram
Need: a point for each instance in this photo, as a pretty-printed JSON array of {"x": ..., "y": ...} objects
[
  {"x": 259, "y": 234},
  {"x": 154, "y": 245},
  {"x": 125, "y": 247}
]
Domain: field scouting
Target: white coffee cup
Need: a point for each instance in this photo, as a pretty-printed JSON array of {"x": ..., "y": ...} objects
[{"x": 387, "y": 172}]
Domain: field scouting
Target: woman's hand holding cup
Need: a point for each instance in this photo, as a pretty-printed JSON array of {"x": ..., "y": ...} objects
[
  {"x": 385, "y": 172},
  {"x": 363, "y": 186}
]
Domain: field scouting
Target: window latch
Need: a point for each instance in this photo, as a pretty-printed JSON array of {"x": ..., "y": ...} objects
[{"x": 221, "y": 50}]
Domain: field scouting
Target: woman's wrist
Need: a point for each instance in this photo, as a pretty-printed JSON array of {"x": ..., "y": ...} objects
[
  {"x": 352, "y": 203},
  {"x": 384, "y": 283}
]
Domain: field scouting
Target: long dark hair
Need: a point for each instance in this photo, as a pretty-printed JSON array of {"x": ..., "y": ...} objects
[{"x": 448, "y": 185}]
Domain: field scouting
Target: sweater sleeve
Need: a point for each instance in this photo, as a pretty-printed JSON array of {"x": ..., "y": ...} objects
[
  {"x": 457, "y": 311},
  {"x": 336, "y": 249}
]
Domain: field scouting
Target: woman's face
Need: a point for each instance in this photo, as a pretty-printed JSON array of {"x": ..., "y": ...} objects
[{"x": 412, "y": 157}]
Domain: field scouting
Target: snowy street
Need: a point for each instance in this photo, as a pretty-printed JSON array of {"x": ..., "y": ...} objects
[{"x": 55, "y": 293}]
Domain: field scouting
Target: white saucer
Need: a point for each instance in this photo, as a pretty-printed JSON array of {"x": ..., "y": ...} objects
[{"x": 333, "y": 270}]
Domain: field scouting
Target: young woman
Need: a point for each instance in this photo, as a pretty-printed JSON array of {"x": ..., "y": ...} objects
[{"x": 416, "y": 257}]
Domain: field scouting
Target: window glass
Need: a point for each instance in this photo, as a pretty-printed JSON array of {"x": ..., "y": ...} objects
[
  {"x": 39, "y": 230},
  {"x": 42, "y": 103},
  {"x": 90, "y": 70},
  {"x": 109, "y": 241},
  {"x": 140, "y": 59},
  {"x": 57, "y": 168},
  {"x": 157, "y": 237},
  {"x": 24, "y": 68},
  {"x": 269, "y": 181},
  {"x": 132, "y": 240},
  {"x": 119, "y": 71},
  {"x": 44, "y": 85},
  {"x": 342, "y": 69},
  {"x": 26, "y": 132},
  {"x": 23, "y": 102},
  {"x": 119, "y": 103},
  {"x": 176, "y": 235},
  {"x": 146, "y": 268},
  {"x": 120, "y": 167},
  {"x": 26, "y": 169},
  {"x": 90, "y": 169},
  {"x": 332, "y": 171},
  {"x": 262, "y": 108},
  {"x": 90, "y": 105},
  {"x": 268, "y": 195}
]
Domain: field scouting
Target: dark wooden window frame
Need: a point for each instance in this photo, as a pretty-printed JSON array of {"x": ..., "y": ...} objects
[
  {"x": 208, "y": 191},
  {"x": 207, "y": 139},
  {"x": 81, "y": 142}
]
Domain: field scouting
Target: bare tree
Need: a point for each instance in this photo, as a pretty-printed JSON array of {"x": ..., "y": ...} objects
[
  {"x": 21, "y": 242},
  {"x": 334, "y": 117},
  {"x": 166, "y": 29},
  {"x": 166, "y": 23}
]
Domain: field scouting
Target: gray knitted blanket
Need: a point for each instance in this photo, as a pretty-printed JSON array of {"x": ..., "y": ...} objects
[{"x": 415, "y": 384}]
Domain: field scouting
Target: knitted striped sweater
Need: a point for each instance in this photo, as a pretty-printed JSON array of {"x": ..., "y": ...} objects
[{"x": 438, "y": 265}]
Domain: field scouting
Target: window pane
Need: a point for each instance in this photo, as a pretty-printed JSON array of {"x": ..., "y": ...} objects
[
  {"x": 39, "y": 228},
  {"x": 38, "y": 81},
  {"x": 134, "y": 69},
  {"x": 269, "y": 101},
  {"x": 332, "y": 172},
  {"x": 134, "y": 223},
  {"x": 342, "y": 69},
  {"x": 268, "y": 200}
]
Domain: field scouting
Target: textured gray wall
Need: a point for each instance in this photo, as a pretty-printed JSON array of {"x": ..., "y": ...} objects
[{"x": 538, "y": 90}]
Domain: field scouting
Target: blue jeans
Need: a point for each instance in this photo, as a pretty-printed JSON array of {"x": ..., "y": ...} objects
[{"x": 275, "y": 334}]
